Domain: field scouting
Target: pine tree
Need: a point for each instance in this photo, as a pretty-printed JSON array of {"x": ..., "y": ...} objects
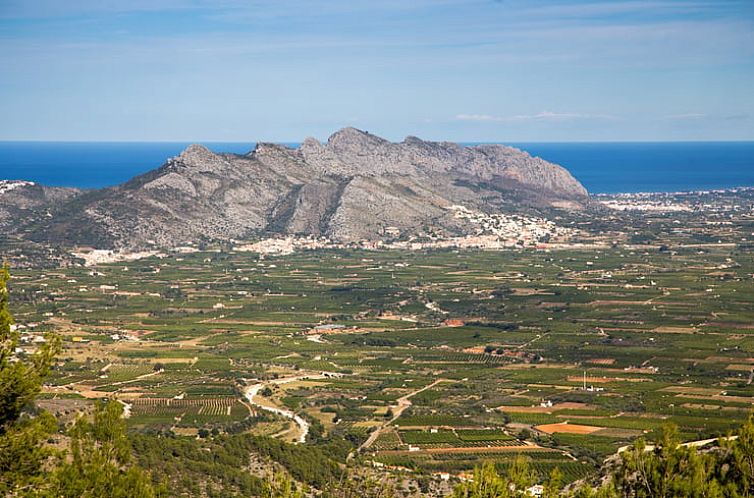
[
  {"x": 554, "y": 484},
  {"x": 22, "y": 432},
  {"x": 281, "y": 486},
  {"x": 738, "y": 469},
  {"x": 100, "y": 451},
  {"x": 486, "y": 483},
  {"x": 99, "y": 466},
  {"x": 668, "y": 470}
]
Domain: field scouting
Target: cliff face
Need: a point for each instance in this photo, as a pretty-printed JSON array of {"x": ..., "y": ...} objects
[
  {"x": 355, "y": 186},
  {"x": 353, "y": 152}
]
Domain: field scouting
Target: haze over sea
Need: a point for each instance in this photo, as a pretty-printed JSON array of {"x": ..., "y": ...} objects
[{"x": 603, "y": 167}]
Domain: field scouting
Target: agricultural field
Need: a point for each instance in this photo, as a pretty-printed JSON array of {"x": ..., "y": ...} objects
[{"x": 423, "y": 361}]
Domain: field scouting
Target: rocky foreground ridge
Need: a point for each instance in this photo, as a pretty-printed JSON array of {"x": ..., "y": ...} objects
[{"x": 354, "y": 187}]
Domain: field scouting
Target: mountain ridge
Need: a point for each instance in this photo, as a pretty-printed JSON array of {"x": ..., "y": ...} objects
[{"x": 355, "y": 186}]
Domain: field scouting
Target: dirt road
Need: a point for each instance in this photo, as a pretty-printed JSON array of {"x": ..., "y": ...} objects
[
  {"x": 252, "y": 395},
  {"x": 403, "y": 403}
]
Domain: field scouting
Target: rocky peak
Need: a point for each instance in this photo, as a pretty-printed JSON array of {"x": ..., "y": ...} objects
[
  {"x": 198, "y": 159},
  {"x": 349, "y": 152},
  {"x": 352, "y": 138},
  {"x": 346, "y": 188},
  {"x": 311, "y": 142},
  {"x": 196, "y": 154},
  {"x": 268, "y": 148},
  {"x": 311, "y": 146},
  {"x": 277, "y": 157},
  {"x": 412, "y": 140}
]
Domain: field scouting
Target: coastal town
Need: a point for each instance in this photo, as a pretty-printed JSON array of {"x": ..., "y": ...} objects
[{"x": 719, "y": 216}]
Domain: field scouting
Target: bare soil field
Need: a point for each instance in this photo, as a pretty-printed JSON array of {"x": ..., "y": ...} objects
[
  {"x": 604, "y": 380},
  {"x": 618, "y": 433},
  {"x": 674, "y": 330},
  {"x": 472, "y": 450},
  {"x": 702, "y": 391},
  {"x": 566, "y": 428},
  {"x": 719, "y": 397},
  {"x": 739, "y": 367},
  {"x": 602, "y": 361},
  {"x": 544, "y": 409}
]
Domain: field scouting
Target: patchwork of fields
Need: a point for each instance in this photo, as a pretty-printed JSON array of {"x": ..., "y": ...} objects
[{"x": 428, "y": 361}]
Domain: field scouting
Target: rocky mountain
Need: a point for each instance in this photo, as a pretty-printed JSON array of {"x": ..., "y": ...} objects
[
  {"x": 20, "y": 203},
  {"x": 356, "y": 186},
  {"x": 22, "y": 200}
]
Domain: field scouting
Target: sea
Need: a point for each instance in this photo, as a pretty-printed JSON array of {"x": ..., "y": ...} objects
[{"x": 602, "y": 167}]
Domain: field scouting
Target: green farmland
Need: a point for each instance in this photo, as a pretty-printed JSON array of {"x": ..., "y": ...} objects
[{"x": 425, "y": 361}]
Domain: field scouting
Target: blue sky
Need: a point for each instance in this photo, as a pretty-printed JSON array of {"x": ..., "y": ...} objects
[{"x": 466, "y": 70}]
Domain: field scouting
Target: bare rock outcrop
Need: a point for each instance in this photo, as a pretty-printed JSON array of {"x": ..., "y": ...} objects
[{"x": 356, "y": 186}]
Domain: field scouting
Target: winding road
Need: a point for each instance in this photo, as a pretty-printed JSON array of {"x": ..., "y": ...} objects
[{"x": 252, "y": 395}]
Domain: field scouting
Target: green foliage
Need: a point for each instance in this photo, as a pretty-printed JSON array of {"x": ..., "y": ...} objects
[
  {"x": 22, "y": 452},
  {"x": 350, "y": 485},
  {"x": 553, "y": 321},
  {"x": 488, "y": 483},
  {"x": 307, "y": 464},
  {"x": 100, "y": 452},
  {"x": 98, "y": 463},
  {"x": 195, "y": 467},
  {"x": 741, "y": 456},
  {"x": 281, "y": 486},
  {"x": 353, "y": 485},
  {"x": 554, "y": 484},
  {"x": 198, "y": 467},
  {"x": 667, "y": 470},
  {"x": 100, "y": 458},
  {"x": 21, "y": 376}
]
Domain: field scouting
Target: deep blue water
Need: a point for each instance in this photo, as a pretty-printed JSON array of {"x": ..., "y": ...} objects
[
  {"x": 90, "y": 164},
  {"x": 601, "y": 167},
  {"x": 653, "y": 166}
]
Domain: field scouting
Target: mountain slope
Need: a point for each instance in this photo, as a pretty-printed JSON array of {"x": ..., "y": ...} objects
[
  {"x": 356, "y": 186},
  {"x": 21, "y": 200}
]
